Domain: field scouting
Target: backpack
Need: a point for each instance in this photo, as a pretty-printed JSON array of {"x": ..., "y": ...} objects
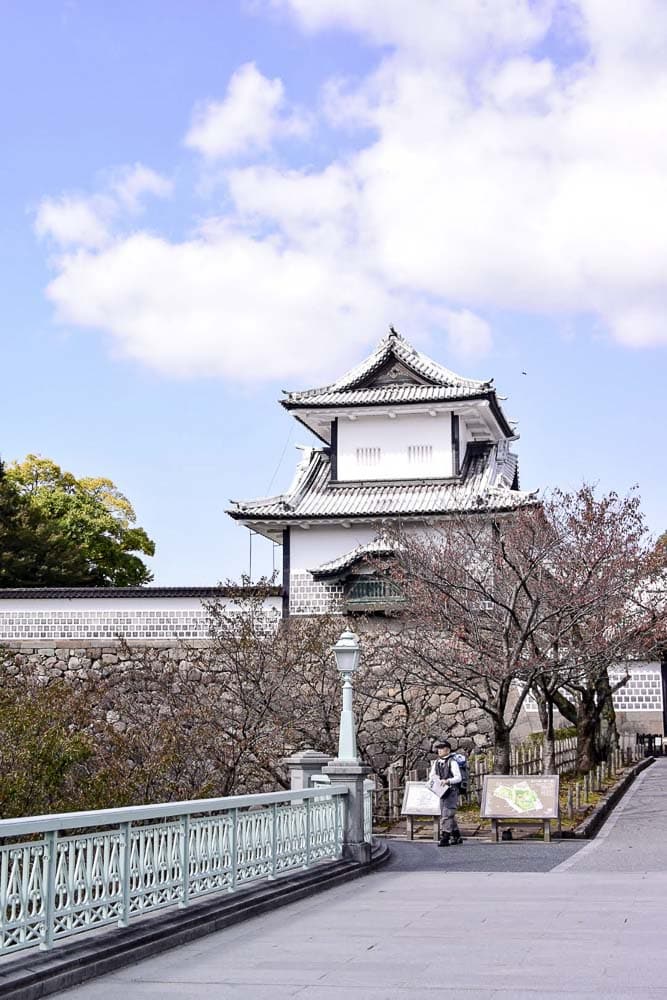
[{"x": 462, "y": 761}]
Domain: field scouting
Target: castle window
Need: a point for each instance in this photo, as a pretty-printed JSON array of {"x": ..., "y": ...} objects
[
  {"x": 368, "y": 457},
  {"x": 372, "y": 593},
  {"x": 420, "y": 454}
]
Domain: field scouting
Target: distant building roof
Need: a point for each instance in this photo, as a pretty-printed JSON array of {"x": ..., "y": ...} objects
[
  {"x": 488, "y": 474},
  {"x": 52, "y": 593}
]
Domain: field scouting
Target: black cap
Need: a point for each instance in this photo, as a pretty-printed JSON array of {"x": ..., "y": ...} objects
[{"x": 442, "y": 743}]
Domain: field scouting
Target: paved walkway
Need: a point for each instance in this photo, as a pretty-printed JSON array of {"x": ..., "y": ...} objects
[{"x": 509, "y": 921}]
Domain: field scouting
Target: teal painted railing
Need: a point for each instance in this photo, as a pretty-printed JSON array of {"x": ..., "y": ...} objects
[
  {"x": 369, "y": 788},
  {"x": 374, "y": 590},
  {"x": 84, "y": 870}
]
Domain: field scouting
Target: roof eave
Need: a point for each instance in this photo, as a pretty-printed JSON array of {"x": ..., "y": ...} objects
[
  {"x": 292, "y": 405},
  {"x": 501, "y": 419},
  {"x": 297, "y": 518}
]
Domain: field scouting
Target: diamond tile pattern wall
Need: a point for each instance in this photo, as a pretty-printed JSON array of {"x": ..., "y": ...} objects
[
  {"x": 642, "y": 693},
  {"x": 167, "y": 623}
]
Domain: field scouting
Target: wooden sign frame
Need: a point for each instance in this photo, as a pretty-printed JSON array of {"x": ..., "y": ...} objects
[{"x": 527, "y": 798}]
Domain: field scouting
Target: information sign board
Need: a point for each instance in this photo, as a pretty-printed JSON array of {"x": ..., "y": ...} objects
[
  {"x": 515, "y": 796},
  {"x": 419, "y": 800}
]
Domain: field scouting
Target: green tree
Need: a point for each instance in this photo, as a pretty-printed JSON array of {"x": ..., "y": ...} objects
[
  {"x": 34, "y": 550},
  {"x": 57, "y": 530},
  {"x": 44, "y": 748}
]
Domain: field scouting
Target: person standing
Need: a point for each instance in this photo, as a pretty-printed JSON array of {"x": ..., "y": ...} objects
[{"x": 446, "y": 767}]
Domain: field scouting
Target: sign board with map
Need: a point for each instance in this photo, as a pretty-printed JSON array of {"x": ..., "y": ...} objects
[
  {"x": 520, "y": 796},
  {"x": 419, "y": 800}
]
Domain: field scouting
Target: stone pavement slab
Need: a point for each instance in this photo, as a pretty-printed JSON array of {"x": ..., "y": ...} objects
[
  {"x": 498, "y": 935},
  {"x": 634, "y": 838},
  {"x": 572, "y": 924}
]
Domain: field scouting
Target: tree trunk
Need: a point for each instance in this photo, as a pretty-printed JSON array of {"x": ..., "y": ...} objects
[
  {"x": 587, "y": 730},
  {"x": 607, "y": 740},
  {"x": 595, "y": 720},
  {"x": 567, "y": 708},
  {"x": 501, "y": 753},
  {"x": 545, "y": 707},
  {"x": 549, "y": 738}
]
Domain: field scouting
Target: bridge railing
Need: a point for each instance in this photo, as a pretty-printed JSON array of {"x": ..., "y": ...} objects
[{"x": 71, "y": 872}]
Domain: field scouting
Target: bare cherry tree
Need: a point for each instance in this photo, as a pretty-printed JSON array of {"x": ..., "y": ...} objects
[
  {"x": 607, "y": 561},
  {"x": 282, "y": 678},
  {"x": 545, "y": 598}
]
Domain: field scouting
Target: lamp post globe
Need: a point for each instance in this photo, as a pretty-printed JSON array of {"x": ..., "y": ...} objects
[{"x": 346, "y": 652}]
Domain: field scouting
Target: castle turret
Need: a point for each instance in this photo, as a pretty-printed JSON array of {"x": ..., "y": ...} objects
[{"x": 402, "y": 437}]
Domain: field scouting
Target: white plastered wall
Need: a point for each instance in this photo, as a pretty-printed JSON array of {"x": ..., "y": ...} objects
[
  {"x": 310, "y": 548},
  {"x": 394, "y": 438}
]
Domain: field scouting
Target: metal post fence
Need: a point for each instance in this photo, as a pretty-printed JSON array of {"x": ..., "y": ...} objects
[{"x": 115, "y": 864}]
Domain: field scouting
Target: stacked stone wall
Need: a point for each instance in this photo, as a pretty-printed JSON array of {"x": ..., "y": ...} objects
[
  {"x": 101, "y": 661},
  {"x": 105, "y": 661}
]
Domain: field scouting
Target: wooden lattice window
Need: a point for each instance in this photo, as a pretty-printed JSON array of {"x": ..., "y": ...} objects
[
  {"x": 368, "y": 457},
  {"x": 420, "y": 454}
]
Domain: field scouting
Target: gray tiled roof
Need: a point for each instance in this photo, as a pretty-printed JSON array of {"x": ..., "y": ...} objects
[
  {"x": 51, "y": 593},
  {"x": 352, "y": 388},
  {"x": 400, "y": 393},
  {"x": 487, "y": 474},
  {"x": 334, "y": 566}
]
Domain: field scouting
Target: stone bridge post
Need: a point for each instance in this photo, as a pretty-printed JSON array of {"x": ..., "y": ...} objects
[
  {"x": 305, "y": 764},
  {"x": 352, "y": 774}
]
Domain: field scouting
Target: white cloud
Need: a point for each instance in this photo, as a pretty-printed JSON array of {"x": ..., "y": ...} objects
[
  {"x": 226, "y": 304},
  {"x": 520, "y": 81},
  {"x": 469, "y": 336},
  {"x": 431, "y": 29},
  {"x": 489, "y": 175},
  {"x": 76, "y": 220},
  {"x": 131, "y": 184},
  {"x": 498, "y": 178},
  {"x": 72, "y": 221},
  {"x": 250, "y": 118}
]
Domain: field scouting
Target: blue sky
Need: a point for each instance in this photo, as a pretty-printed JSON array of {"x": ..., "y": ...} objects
[{"x": 204, "y": 203}]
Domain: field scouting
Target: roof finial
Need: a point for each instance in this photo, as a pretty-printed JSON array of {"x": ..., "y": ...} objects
[{"x": 393, "y": 333}]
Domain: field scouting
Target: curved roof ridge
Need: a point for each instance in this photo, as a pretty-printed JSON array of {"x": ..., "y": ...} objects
[
  {"x": 395, "y": 344},
  {"x": 306, "y": 468},
  {"x": 314, "y": 497},
  {"x": 377, "y": 547}
]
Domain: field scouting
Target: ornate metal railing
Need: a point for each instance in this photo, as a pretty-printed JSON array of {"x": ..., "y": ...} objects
[
  {"x": 374, "y": 590},
  {"x": 369, "y": 789},
  {"x": 83, "y": 870}
]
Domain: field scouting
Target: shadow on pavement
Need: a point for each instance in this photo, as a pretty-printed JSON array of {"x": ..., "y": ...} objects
[{"x": 478, "y": 856}]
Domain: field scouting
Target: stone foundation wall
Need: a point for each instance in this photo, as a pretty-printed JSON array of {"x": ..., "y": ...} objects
[
  {"x": 103, "y": 661},
  {"x": 450, "y": 713},
  {"x": 92, "y": 661}
]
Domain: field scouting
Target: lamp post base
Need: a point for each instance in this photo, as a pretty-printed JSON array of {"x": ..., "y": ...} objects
[{"x": 352, "y": 774}]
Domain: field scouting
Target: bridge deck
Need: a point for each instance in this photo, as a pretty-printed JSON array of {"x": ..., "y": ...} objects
[{"x": 512, "y": 921}]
